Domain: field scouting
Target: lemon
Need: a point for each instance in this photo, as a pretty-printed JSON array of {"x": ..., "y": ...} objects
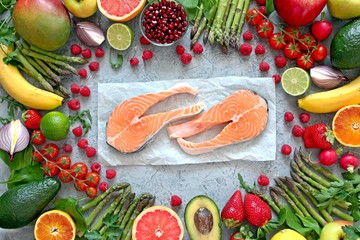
[
  {"x": 288, "y": 234},
  {"x": 55, "y": 126},
  {"x": 120, "y": 36},
  {"x": 295, "y": 81}
]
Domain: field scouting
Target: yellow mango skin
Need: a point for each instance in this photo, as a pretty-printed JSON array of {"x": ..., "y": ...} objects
[
  {"x": 332, "y": 100},
  {"x": 344, "y": 9}
]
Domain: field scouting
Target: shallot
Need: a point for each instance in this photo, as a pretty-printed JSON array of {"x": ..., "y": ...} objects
[
  {"x": 326, "y": 77},
  {"x": 14, "y": 137},
  {"x": 89, "y": 33}
]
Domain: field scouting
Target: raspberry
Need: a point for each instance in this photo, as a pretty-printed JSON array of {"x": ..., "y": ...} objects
[
  {"x": 180, "y": 49},
  {"x": 75, "y": 49},
  {"x": 144, "y": 41},
  {"x": 82, "y": 73},
  {"x": 90, "y": 152},
  {"x": 75, "y": 88},
  {"x": 280, "y": 61},
  {"x": 262, "y": 9},
  {"x": 94, "y": 66},
  {"x": 288, "y": 116},
  {"x": 95, "y": 167},
  {"x": 99, "y": 52},
  {"x": 297, "y": 130},
  {"x": 147, "y": 54},
  {"x": 134, "y": 61},
  {"x": 276, "y": 78},
  {"x": 247, "y": 36},
  {"x": 286, "y": 149},
  {"x": 263, "y": 180},
  {"x": 175, "y": 201},
  {"x": 67, "y": 148},
  {"x": 260, "y": 49},
  {"x": 86, "y": 53},
  {"x": 83, "y": 143},
  {"x": 304, "y": 117},
  {"x": 77, "y": 131},
  {"x": 85, "y": 91},
  {"x": 198, "y": 48},
  {"x": 186, "y": 58},
  {"x": 245, "y": 49},
  {"x": 74, "y": 104},
  {"x": 110, "y": 173},
  {"x": 264, "y": 67},
  {"x": 261, "y": 2},
  {"x": 103, "y": 186}
]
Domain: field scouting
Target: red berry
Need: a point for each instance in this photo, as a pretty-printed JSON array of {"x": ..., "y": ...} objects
[
  {"x": 85, "y": 91},
  {"x": 297, "y": 131},
  {"x": 134, "y": 61},
  {"x": 261, "y": 2},
  {"x": 86, "y": 53},
  {"x": 82, "y": 73},
  {"x": 175, "y": 201},
  {"x": 95, "y": 167},
  {"x": 67, "y": 148},
  {"x": 147, "y": 54},
  {"x": 180, "y": 49},
  {"x": 260, "y": 49},
  {"x": 186, "y": 58},
  {"x": 77, "y": 131},
  {"x": 245, "y": 49},
  {"x": 198, "y": 48},
  {"x": 99, "y": 52},
  {"x": 83, "y": 143},
  {"x": 264, "y": 67},
  {"x": 75, "y": 49},
  {"x": 75, "y": 88},
  {"x": 276, "y": 78},
  {"x": 262, "y": 9},
  {"x": 286, "y": 149},
  {"x": 288, "y": 116},
  {"x": 263, "y": 180},
  {"x": 90, "y": 152},
  {"x": 304, "y": 117},
  {"x": 247, "y": 36},
  {"x": 144, "y": 41},
  {"x": 280, "y": 61},
  {"x": 103, "y": 186},
  {"x": 110, "y": 173},
  {"x": 74, "y": 104},
  {"x": 94, "y": 66}
]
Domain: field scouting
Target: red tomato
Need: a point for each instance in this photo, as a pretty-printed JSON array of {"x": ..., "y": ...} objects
[
  {"x": 291, "y": 33},
  {"x": 91, "y": 192},
  {"x": 319, "y": 53},
  {"x": 292, "y": 50},
  {"x": 80, "y": 185},
  {"x": 37, "y": 156},
  {"x": 305, "y": 61},
  {"x": 37, "y": 138},
  {"x": 307, "y": 42},
  {"x": 50, "y": 168},
  {"x": 65, "y": 176},
  {"x": 253, "y": 17},
  {"x": 265, "y": 29},
  {"x": 64, "y": 162},
  {"x": 51, "y": 151},
  {"x": 79, "y": 170},
  {"x": 92, "y": 179},
  {"x": 277, "y": 41}
]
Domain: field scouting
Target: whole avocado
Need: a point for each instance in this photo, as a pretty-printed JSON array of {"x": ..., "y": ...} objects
[{"x": 22, "y": 204}]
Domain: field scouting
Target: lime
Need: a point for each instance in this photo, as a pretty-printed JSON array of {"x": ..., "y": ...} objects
[
  {"x": 295, "y": 81},
  {"x": 120, "y": 36},
  {"x": 55, "y": 126}
]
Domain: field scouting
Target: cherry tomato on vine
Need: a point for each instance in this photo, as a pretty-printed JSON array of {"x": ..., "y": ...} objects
[
  {"x": 307, "y": 42},
  {"x": 50, "y": 168},
  {"x": 291, "y": 33},
  {"x": 253, "y": 17},
  {"x": 64, "y": 162},
  {"x": 37, "y": 138},
  {"x": 92, "y": 179},
  {"x": 65, "y": 176},
  {"x": 80, "y": 185},
  {"x": 319, "y": 52},
  {"x": 91, "y": 192},
  {"x": 292, "y": 50},
  {"x": 305, "y": 61},
  {"x": 265, "y": 29},
  {"x": 79, "y": 170},
  {"x": 51, "y": 151},
  {"x": 277, "y": 41},
  {"x": 37, "y": 156}
]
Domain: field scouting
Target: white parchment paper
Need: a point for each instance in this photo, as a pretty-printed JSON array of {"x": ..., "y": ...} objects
[{"x": 164, "y": 151}]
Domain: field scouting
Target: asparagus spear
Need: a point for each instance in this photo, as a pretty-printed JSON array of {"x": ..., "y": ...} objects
[
  {"x": 37, "y": 66},
  {"x": 209, "y": 24},
  {"x": 313, "y": 183},
  {"x": 229, "y": 21},
  {"x": 276, "y": 199},
  {"x": 216, "y": 26},
  {"x": 241, "y": 23},
  {"x": 272, "y": 204},
  {"x": 125, "y": 207},
  {"x": 235, "y": 23},
  {"x": 57, "y": 69},
  {"x": 198, "y": 17},
  {"x": 55, "y": 77},
  {"x": 282, "y": 193},
  {"x": 198, "y": 32}
]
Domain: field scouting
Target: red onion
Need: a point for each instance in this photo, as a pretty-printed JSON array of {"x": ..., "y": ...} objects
[
  {"x": 89, "y": 33},
  {"x": 326, "y": 77},
  {"x": 14, "y": 137}
]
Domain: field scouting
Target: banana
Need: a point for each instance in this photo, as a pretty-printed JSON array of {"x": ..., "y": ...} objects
[
  {"x": 332, "y": 100},
  {"x": 22, "y": 91}
]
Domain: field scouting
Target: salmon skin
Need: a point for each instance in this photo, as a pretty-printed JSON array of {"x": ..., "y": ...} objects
[
  {"x": 128, "y": 131},
  {"x": 244, "y": 112}
]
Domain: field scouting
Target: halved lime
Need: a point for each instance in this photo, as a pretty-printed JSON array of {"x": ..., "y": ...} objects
[
  {"x": 120, "y": 36},
  {"x": 295, "y": 81}
]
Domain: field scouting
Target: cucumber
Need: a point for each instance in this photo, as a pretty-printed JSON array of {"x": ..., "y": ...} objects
[{"x": 22, "y": 204}]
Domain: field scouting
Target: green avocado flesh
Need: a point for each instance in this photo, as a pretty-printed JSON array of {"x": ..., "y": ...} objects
[{"x": 202, "y": 219}]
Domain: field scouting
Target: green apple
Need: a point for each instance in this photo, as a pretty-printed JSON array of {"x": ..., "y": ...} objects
[
  {"x": 81, "y": 8},
  {"x": 344, "y": 10},
  {"x": 333, "y": 230}
]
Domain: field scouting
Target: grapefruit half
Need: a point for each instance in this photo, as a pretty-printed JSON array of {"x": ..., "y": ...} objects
[
  {"x": 158, "y": 223},
  {"x": 346, "y": 126},
  {"x": 120, "y": 10}
]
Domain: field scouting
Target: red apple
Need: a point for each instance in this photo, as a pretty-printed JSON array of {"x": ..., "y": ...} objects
[
  {"x": 333, "y": 230},
  {"x": 299, "y": 12}
]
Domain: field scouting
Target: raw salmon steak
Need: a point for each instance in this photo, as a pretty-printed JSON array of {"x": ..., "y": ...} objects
[
  {"x": 244, "y": 112},
  {"x": 127, "y": 130}
]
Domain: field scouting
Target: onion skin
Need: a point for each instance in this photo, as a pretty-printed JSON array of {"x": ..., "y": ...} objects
[
  {"x": 89, "y": 33},
  {"x": 326, "y": 77}
]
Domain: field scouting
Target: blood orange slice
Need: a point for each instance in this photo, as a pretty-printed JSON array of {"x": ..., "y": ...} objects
[
  {"x": 55, "y": 225},
  {"x": 158, "y": 223},
  {"x": 346, "y": 126},
  {"x": 120, "y": 10}
]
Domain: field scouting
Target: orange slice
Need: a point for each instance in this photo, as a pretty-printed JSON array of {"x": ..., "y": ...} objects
[
  {"x": 120, "y": 10},
  {"x": 346, "y": 126},
  {"x": 55, "y": 225}
]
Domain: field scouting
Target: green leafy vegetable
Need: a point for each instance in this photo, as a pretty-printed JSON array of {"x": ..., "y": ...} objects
[
  {"x": 269, "y": 7},
  {"x": 21, "y": 159},
  {"x": 191, "y": 7},
  {"x": 352, "y": 232},
  {"x": 13, "y": 108},
  {"x": 209, "y": 7},
  {"x": 85, "y": 119},
  {"x": 69, "y": 205},
  {"x": 119, "y": 60},
  {"x": 112, "y": 232},
  {"x": 7, "y": 34},
  {"x": 26, "y": 174}
]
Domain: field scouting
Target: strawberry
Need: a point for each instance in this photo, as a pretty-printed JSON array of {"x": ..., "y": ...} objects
[
  {"x": 233, "y": 212},
  {"x": 31, "y": 119},
  {"x": 318, "y": 136},
  {"x": 257, "y": 211}
]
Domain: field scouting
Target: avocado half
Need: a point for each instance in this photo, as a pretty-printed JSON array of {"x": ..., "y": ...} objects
[{"x": 202, "y": 219}]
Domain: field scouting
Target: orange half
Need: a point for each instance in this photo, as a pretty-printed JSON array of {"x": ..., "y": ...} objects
[
  {"x": 346, "y": 126},
  {"x": 120, "y": 10},
  {"x": 54, "y": 225}
]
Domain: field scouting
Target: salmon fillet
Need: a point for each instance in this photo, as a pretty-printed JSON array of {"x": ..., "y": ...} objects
[
  {"x": 127, "y": 130},
  {"x": 244, "y": 112}
]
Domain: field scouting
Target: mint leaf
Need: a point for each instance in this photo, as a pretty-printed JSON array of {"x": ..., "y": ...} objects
[
  {"x": 119, "y": 60},
  {"x": 93, "y": 235},
  {"x": 111, "y": 220},
  {"x": 351, "y": 232}
]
